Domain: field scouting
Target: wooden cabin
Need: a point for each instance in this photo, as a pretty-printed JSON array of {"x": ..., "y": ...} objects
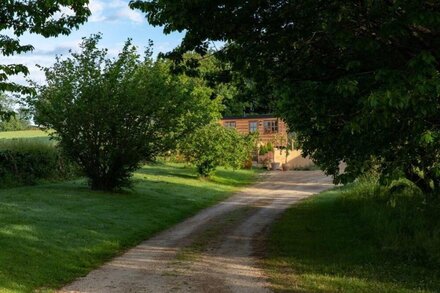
[
  {"x": 269, "y": 127},
  {"x": 273, "y": 130}
]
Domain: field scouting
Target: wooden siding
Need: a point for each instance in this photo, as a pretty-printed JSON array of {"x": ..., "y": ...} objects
[{"x": 242, "y": 126}]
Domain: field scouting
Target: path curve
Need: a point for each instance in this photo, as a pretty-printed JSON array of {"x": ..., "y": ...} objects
[{"x": 212, "y": 251}]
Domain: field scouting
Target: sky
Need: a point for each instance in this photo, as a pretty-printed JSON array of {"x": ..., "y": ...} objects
[{"x": 113, "y": 18}]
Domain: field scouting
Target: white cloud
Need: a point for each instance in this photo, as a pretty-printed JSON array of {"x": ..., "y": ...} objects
[
  {"x": 164, "y": 47},
  {"x": 114, "y": 10},
  {"x": 116, "y": 18},
  {"x": 43, "y": 54},
  {"x": 31, "y": 62},
  {"x": 97, "y": 10},
  {"x": 131, "y": 15},
  {"x": 64, "y": 11}
]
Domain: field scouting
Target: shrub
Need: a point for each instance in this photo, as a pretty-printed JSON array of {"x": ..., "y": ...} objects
[
  {"x": 109, "y": 115},
  {"x": 26, "y": 161},
  {"x": 265, "y": 149},
  {"x": 214, "y": 145}
]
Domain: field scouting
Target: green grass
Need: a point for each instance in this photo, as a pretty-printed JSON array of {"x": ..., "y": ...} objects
[
  {"x": 34, "y": 135},
  {"x": 51, "y": 234},
  {"x": 22, "y": 134},
  {"x": 333, "y": 242}
]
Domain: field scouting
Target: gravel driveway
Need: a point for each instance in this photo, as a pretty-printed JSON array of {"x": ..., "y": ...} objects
[{"x": 213, "y": 251}]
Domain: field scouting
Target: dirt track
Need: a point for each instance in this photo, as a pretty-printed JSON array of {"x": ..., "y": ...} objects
[{"x": 213, "y": 251}]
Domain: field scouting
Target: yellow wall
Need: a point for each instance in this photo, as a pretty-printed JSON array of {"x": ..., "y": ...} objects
[{"x": 294, "y": 160}]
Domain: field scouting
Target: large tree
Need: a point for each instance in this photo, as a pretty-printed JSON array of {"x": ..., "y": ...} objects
[
  {"x": 239, "y": 93},
  {"x": 110, "y": 114},
  {"x": 358, "y": 81},
  {"x": 46, "y": 18}
]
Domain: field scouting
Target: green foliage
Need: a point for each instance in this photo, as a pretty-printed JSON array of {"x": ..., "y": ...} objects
[
  {"x": 214, "y": 145},
  {"x": 110, "y": 114},
  {"x": 11, "y": 120},
  {"x": 355, "y": 81},
  {"x": 235, "y": 23},
  {"x": 238, "y": 94},
  {"x": 266, "y": 148},
  {"x": 27, "y": 161},
  {"x": 398, "y": 218},
  {"x": 14, "y": 123},
  {"x": 44, "y": 18}
]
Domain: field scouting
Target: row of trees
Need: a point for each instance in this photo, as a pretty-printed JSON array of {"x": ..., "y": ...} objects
[
  {"x": 357, "y": 81},
  {"x": 111, "y": 114}
]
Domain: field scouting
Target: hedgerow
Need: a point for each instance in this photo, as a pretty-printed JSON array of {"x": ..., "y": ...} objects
[{"x": 28, "y": 161}]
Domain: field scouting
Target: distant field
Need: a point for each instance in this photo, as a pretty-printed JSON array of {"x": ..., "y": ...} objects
[{"x": 23, "y": 134}]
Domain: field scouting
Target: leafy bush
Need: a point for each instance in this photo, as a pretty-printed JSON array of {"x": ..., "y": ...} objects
[
  {"x": 398, "y": 218},
  {"x": 266, "y": 148},
  {"x": 214, "y": 145},
  {"x": 26, "y": 161},
  {"x": 109, "y": 115}
]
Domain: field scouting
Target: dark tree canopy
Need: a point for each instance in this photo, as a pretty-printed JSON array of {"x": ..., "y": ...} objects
[
  {"x": 46, "y": 18},
  {"x": 239, "y": 94},
  {"x": 358, "y": 81}
]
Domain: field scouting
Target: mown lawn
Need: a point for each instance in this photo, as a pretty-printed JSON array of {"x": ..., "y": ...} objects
[
  {"x": 326, "y": 244},
  {"x": 51, "y": 234}
]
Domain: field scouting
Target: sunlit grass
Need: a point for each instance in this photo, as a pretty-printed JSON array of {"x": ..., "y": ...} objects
[
  {"x": 51, "y": 234},
  {"x": 23, "y": 134}
]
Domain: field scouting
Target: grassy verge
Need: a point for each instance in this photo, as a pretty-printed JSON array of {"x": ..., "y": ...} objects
[
  {"x": 51, "y": 234},
  {"x": 344, "y": 240}
]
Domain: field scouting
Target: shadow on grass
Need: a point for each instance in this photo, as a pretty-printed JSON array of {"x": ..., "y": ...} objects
[
  {"x": 322, "y": 245},
  {"x": 51, "y": 234},
  {"x": 169, "y": 170},
  {"x": 222, "y": 175}
]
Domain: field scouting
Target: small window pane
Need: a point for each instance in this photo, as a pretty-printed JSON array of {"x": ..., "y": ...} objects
[
  {"x": 270, "y": 126},
  {"x": 229, "y": 124},
  {"x": 253, "y": 126}
]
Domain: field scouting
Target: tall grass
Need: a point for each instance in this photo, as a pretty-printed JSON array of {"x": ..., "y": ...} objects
[
  {"x": 358, "y": 238},
  {"x": 399, "y": 218}
]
